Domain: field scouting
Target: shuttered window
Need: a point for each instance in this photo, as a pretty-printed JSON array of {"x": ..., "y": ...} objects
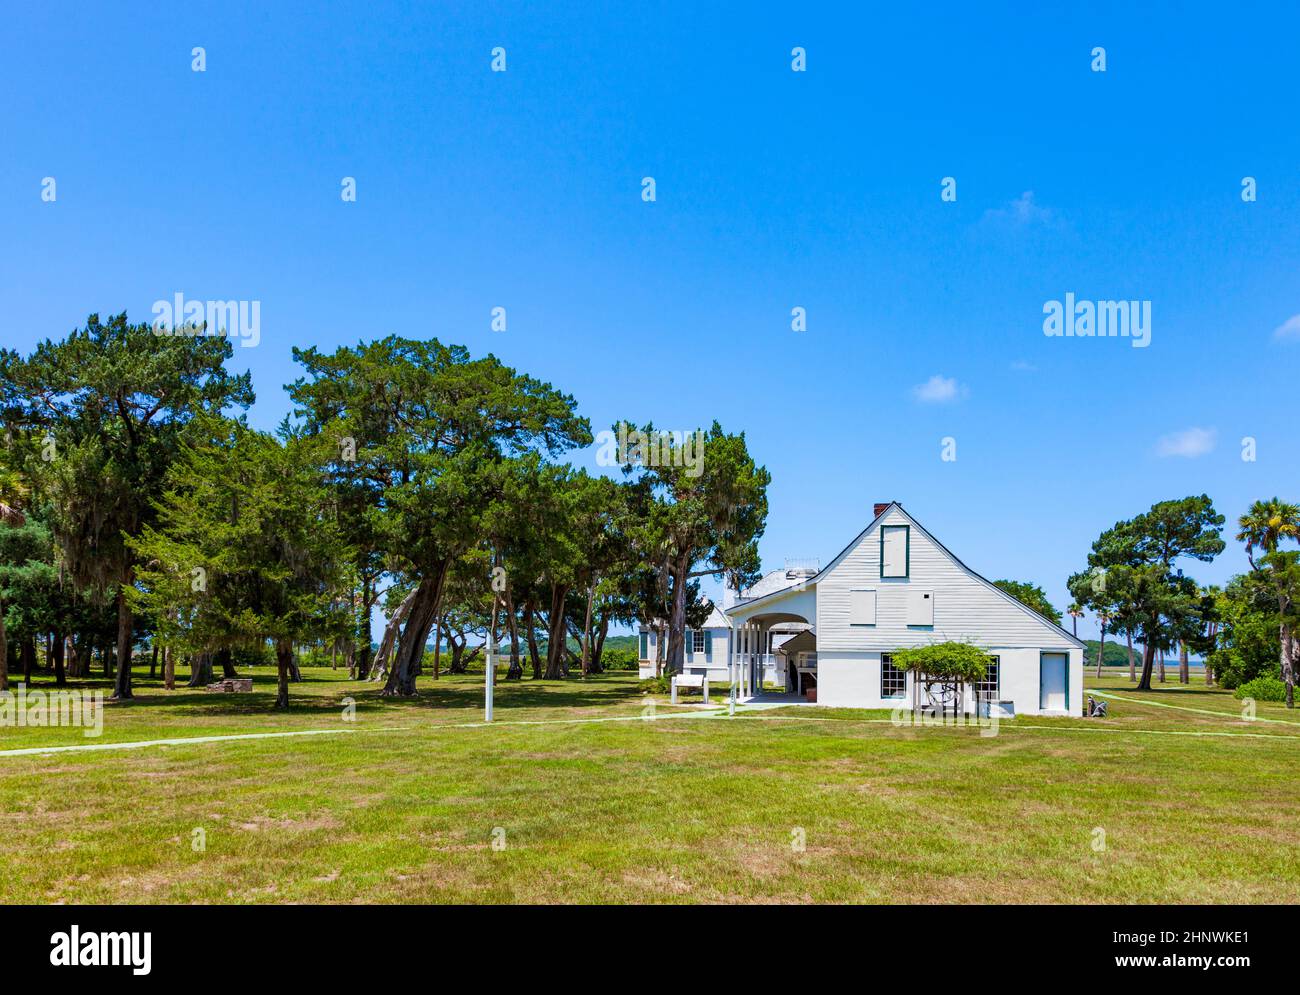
[
  {"x": 920, "y": 608},
  {"x": 895, "y": 550},
  {"x": 862, "y": 608}
]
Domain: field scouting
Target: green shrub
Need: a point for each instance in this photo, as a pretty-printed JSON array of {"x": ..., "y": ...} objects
[
  {"x": 1233, "y": 668},
  {"x": 1262, "y": 689},
  {"x": 656, "y": 685},
  {"x": 619, "y": 658}
]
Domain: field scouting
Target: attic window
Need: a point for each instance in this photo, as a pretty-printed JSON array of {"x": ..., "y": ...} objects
[{"x": 895, "y": 550}]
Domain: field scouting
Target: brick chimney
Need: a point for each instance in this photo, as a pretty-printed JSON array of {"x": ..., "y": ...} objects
[{"x": 879, "y": 507}]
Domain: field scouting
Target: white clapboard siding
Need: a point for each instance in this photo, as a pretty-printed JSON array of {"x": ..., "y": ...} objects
[{"x": 964, "y": 607}]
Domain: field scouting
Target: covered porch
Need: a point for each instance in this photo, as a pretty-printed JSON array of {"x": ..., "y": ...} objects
[{"x": 773, "y": 648}]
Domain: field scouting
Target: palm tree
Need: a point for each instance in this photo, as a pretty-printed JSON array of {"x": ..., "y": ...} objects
[
  {"x": 1075, "y": 611},
  {"x": 1211, "y": 633},
  {"x": 1104, "y": 617},
  {"x": 1264, "y": 526}
]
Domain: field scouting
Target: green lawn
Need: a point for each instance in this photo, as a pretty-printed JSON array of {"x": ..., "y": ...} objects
[{"x": 402, "y": 803}]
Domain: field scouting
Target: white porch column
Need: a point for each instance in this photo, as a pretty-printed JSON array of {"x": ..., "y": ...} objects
[
  {"x": 749, "y": 638},
  {"x": 744, "y": 661}
]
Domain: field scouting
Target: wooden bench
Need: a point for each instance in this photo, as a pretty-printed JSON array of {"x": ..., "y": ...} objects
[
  {"x": 233, "y": 684},
  {"x": 690, "y": 681}
]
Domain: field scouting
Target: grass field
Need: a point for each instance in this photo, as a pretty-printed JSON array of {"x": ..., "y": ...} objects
[{"x": 587, "y": 803}]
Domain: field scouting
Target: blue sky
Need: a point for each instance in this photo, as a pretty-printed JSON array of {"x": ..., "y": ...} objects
[{"x": 775, "y": 189}]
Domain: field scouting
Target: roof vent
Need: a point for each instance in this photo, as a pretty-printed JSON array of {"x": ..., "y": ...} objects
[{"x": 796, "y": 568}]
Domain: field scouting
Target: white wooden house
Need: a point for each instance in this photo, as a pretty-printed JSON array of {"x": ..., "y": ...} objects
[{"x": 895, "y": 586}]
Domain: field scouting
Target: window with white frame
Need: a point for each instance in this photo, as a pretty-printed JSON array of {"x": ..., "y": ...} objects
[
  {"x": 988, "y": 688},
  {"x": 697, "y": 644},
  {"x": 893, "y": 682}
]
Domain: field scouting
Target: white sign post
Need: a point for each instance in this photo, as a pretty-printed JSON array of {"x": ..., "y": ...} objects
[{"x": 491, "y": 674}]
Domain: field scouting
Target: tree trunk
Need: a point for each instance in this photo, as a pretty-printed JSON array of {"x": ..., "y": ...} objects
[
  {"x": 169, "y": 668},
  {"x": 1132, "y": 672},
  {"x": 56, "y": 650},
  {"x": 200, "y": 670},
  {"x": 295, "y": 674},
  {"x": 1148, "y": 661},
  {"x": 4, "y": 652},
  {"x": 555, "y": 634},
  {"x": 530, "y": 633},
  {"x": 389, "y": 640},
  {"x": 122, "y": 684},
  {"x": 677, "y": 618},
  {"x": 1162, "y": 666},
  {"x": 437, "y": 648},
  {"x": 27, "y": 653},
  {"x": 601, "y": 632},
  {"x": 283, "y": 664},
  {"x": 457, "y": 648},
  {"x": 516, "y": 670},
  {"x": 1184, "y": 671},
  {"x": 225, "y": 660},
  {"x": 586, "y": 630},
  {"x": 1101, "y": 650},
  {"x": 410, "y": 648},
  {"x": 1288, "y": 661}
]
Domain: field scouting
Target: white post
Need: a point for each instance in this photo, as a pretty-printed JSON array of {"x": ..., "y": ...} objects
[
  {"x": 491, "y": 666},
  {"x": 731, "y": 673},
  {"x": 749, "y": 662},
  {"x": 740, "y": 660}
]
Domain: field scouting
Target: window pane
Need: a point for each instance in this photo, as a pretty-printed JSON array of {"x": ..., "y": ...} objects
[{"x": 893, "y": 682}]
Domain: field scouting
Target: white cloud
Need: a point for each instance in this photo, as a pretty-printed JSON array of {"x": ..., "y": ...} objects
[
  {"x": 939, "y": 390},
  {"x": 1021, "y": 211},
  {"x": 1190, "y": 442},
  {"x": 1289, "y": 329}
]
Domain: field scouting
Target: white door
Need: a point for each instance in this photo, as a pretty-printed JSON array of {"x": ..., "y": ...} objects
[{"x": 1052, "y": 692}]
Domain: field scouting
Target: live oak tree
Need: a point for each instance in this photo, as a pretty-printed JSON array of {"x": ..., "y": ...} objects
[
  {"x": 426, "y": 423},
  {"x": 246, "y": 549},
  {"x": 112, "y": 404},
  {"x": 1134, "y": 562},
  {"x": 709, "y": 511}
]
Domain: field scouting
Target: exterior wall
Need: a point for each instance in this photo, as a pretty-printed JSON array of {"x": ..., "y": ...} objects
[
  {"x": 966, "y": 609},
  {"x": 852, "y": 680},
  {"x": 713, "y": 664}
]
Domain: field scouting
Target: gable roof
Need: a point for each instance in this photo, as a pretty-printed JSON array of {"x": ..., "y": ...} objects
[
  {"x": 716, "y": 620},
  {"x": 835, "y": 561}
]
